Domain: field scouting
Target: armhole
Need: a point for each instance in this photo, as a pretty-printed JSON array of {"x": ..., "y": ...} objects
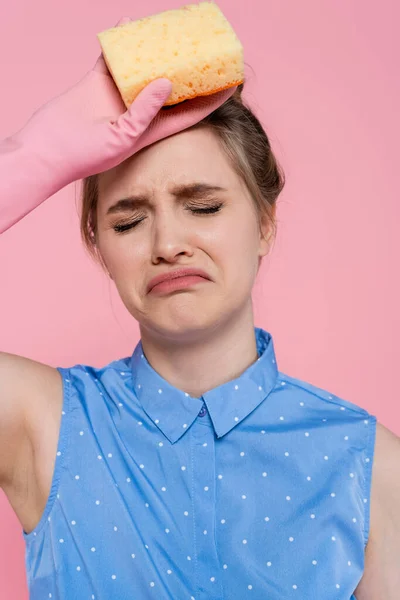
[
  {"x": 368, "y": 462},
  {"x": 61, "y": 455}
]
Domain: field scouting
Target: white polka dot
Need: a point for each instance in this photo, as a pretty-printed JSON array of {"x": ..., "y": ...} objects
[
  {"x": 354, "y": 520},
  {"x": 206, "y": 488},
  {"x": 151, "y": 583},
  {"x": 205, "y": 532},
  {"x": 225, "y": 566},
  {"x": 115, "y": 528},
  {"x": 223, "y": 521},
  {"x": 287, "y": 497},
  {"x": 164, "y": 489},
  {"x": 236, "y": 419},
  {"x": 262, "y": 431},
  {"x": 351, "y": 474},
  {"x": 291, "y": 539},
  {"x": 97, "y": 502},
  {"x": 212, "y": 578},
  {"x": 333, "y": 538},
  {"x": 113, "y": 577},
  {"x": 219, "y": 476},
  {"x": 73, "y": 522},
  {"x": 128, "y": 479},
  {"x": 244, "y": 541},
  {"x": 242, "y": 454},
  {"x": 99, "y": 457},
  {"x": 156, "y": 421},
  {"x": 81, "y": 433},
  {"x": 141, "y": 466},
  {"x": 169, "y": 571},
  {"x": 78, "y": 568},
  {"x": 133, "y": 555},
  {"x": 286, "y": 453},
  {"x": 250, "y": 587},
  {"x": 312, "y": 516},
  {"x": 264, "y": 474},
  {"x": 61, "y": 541},
  {"x": 184, "y": 425},
  {"x": 301, "y": 403},
  {"x": 269, "y": 564},
  {"x": 160, "y": 444},
  {"x": 160, "y": 391},
  {"x": 294, "y": 587},
  {"x": 349, "y": 563},
  {"x": 76, "y": 476},
  {"x": 333, "y": 494},
  {"x": 205, "y": 444},
  {"x": 281, "y": 418},
  {"x": 308, "y": 478},
  {"x": 266, "y": 518},
  {"x": 183, "y": 468},
  {"x": 306, "y": 434},
  {"x": 189, "y": 558},
  {"x": 93, "y": 549},
  {"x": 326, "y": 457},
  {"x": 167, "y": 531},
  {"x": 337, "y": 586},
  {"x": 314, "y": 562},
  {"x": 186, "y": 513},
  {"x": 244, "y": 496},
  {"x": 58, "y": 453}
]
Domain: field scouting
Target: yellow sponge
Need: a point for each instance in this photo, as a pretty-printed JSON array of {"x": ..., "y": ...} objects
[{"x": 193, "y": 46}]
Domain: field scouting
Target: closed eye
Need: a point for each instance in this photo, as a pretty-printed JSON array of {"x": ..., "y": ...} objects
[{"x": 122, "y": 227}]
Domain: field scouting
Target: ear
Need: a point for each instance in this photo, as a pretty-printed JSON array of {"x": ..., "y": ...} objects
[{"x": 266, "y": 232}]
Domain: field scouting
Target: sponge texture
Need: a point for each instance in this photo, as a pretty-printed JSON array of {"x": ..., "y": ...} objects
[{"x": 195, "y": 47}]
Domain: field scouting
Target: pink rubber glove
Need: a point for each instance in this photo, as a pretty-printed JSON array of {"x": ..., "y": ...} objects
[{"x": 87, "y": 130}]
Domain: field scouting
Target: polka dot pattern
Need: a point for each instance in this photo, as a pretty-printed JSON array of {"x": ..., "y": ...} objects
[{"x": 242, "y": 493}]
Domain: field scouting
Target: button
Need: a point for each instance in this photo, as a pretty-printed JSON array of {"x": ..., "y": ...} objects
[{"x": 203, "y": 411}]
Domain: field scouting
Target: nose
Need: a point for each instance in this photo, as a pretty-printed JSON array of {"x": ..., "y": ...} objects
[{"x": 170, "y": 238}]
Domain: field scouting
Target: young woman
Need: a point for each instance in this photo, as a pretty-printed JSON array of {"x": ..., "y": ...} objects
[{"x": 194, "y": 468}]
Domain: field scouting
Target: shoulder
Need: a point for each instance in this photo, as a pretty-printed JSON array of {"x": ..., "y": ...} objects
[
  {"x": 381, "y": 578},
  {"x": 321, "y": 398}
]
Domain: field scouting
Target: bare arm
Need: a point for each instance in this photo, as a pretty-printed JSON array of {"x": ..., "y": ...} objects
[
  {"x": 25, "y": 388},
  {"x": 381, "y": 578}
]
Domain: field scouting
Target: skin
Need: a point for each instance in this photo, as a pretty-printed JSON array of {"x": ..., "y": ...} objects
[{"x": 202, "y": 336}]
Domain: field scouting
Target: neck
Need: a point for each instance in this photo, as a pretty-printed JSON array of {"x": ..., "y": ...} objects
[{"x": 203, "y": 360}]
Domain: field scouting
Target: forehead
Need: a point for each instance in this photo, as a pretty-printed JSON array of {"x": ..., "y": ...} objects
[{"x": 191, "y": 155}]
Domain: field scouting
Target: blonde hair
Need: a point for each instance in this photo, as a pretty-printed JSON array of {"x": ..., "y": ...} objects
[{"x": 248, "y": 148}]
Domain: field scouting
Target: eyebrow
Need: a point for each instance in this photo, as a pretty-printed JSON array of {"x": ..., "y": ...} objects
[{"x": 191, "y": 190}]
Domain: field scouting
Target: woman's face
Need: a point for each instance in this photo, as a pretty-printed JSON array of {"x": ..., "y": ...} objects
[{"x": 170, "y": 233}]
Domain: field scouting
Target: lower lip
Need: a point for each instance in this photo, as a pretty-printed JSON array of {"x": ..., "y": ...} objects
[{"x": 178, "y": 283}]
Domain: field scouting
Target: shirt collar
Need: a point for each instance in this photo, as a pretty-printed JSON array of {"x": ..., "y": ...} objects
[{"x": 173, "y": 410}]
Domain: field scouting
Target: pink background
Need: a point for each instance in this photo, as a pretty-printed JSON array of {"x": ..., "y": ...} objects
[{"x": 323, "y": 78}]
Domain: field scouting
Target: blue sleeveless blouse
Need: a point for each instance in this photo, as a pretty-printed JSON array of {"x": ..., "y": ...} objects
[{"x": 259, "y": 489}]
